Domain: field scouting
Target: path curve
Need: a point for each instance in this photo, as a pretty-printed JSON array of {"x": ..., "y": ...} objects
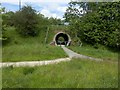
[
  {"x": 73, "y": 54},
  {"x": 33, "y": 63},
  {"x": 69, "y": 52}
]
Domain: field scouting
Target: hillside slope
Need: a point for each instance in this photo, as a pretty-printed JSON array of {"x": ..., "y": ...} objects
[{"x": 19, "y": 48}]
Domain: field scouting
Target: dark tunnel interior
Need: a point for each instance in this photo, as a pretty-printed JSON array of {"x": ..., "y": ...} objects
[{"x": 61, "y": 39}]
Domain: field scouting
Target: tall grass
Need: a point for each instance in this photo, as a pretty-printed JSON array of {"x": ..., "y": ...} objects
[
  {"x": 16, "y": 38},
  {"x": 74, "y": 74},
  {"x": 29, "y": 48},
  {"x": 102, "y": 53},
  {"x": 31, "y": 52}
]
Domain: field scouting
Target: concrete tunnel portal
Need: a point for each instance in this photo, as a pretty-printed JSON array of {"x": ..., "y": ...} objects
[{"x": 61, "y": 38}]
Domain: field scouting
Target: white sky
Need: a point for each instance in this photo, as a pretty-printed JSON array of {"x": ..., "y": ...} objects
[{"x": 49, "y": 8}]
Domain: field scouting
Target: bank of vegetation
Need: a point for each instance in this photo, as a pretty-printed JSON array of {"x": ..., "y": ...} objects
[{"x": 95, "y": 30}]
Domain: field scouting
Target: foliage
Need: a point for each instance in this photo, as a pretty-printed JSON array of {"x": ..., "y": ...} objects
[
  {"x": 2, "y": 9},
  {"x": 8, "y": 18},
  {"x": 77, "y": 9},
  {"x": 4, "y": 37},
  {"x": 110, "y": 22},
  {"x": 30, "y": 49},
  {"x": 99, "y": 25},
  {"x": 26, "y": 21},
  {"x": 43, "y": 22},
  {"x": 55, "y": 21}
]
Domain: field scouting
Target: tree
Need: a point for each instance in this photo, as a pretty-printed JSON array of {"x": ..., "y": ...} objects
[
  {"x": 78, "y": 9},
  {"x": 99, "y": 25},
  {"x": 74, "y": 12},
  {"x": 26, "y": 21},
  {"x": 55, "y": 21},
  {"x": 8, "y": 18}
]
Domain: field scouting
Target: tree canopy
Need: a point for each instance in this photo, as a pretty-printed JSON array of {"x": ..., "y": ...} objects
[
  {"x": 26, "y": 21},
  {"x": 99, "y": 24}
]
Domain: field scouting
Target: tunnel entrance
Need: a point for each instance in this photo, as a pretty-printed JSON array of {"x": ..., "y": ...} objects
[{"x": 62, "y": 38}]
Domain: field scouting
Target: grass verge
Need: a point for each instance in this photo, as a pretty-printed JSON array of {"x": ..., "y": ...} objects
[
  {"x": 97, "y": 53},
  {"x": 29, "y": 48},
  {"x": 74, "y": 74},
  {"x": 31, "y": 52}
]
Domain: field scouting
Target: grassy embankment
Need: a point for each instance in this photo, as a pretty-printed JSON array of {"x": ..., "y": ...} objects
[
  {"x": 102, "y": 52},
  {"x": 74, "y": 74},
  {"x": 30, "y": 49}
]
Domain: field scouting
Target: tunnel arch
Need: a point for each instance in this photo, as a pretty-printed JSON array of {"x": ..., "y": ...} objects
[{"x": 66, "y": 37}]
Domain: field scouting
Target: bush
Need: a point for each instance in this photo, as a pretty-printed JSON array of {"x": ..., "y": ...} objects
[
  {"x": 100, "y": 26},
  {"x": 5, "y": 39},
  {"x": 26, "y": 21}
]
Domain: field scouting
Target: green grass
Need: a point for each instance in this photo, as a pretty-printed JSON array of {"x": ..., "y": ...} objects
[
  {"x": 74, "y": 74},
  {"x": 15, "y": 38},
  {"x": 97, "y": 53},
  {"x": 31, "y": 52},
  {"x": 29, "y": 48}
]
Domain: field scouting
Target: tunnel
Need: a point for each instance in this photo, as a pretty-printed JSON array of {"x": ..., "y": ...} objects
[{"x": 61, "y": 38}]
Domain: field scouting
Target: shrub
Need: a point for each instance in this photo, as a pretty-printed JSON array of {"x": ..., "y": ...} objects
[{"x": 26, "y": 21}]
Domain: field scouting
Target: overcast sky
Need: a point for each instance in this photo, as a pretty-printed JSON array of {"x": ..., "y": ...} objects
[{"x": 49, "y": 8}]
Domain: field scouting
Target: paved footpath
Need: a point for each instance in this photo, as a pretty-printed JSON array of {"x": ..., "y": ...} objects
[
  {"x": 72, "y": 54},
  {"x": 33, "y": 63}
]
